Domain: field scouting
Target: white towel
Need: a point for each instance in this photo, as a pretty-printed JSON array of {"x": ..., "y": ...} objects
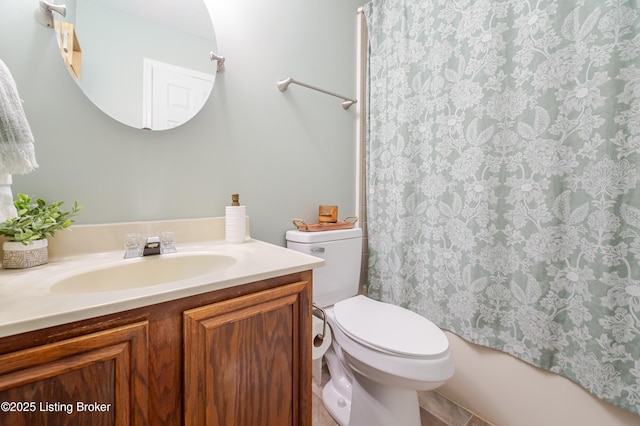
[
  {"x": 7, "y": 208},
  {"x": 17, "y": 154}
]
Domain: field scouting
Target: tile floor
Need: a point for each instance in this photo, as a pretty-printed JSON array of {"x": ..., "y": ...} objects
[{"x": 435, "y": 410}]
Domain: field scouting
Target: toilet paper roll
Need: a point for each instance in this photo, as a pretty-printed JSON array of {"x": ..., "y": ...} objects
[{"x": 318, "y": 352}]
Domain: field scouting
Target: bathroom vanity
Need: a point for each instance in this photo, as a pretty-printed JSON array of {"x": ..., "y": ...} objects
[{"x": 231, "y": 346}]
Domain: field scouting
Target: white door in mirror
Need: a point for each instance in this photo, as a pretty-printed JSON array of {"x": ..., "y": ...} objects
[{"x": 172, "y": 94}]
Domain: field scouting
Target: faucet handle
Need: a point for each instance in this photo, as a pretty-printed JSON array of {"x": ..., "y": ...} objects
[
  {"x": 167, "y": 241},
  {"x": 132, "y": 246}
]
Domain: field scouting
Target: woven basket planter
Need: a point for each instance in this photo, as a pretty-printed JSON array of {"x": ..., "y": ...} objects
[{"x": 19, "y": 256}]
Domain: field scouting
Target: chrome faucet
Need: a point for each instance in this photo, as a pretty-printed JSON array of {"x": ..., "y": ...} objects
[{"x": 153, "y": 245}]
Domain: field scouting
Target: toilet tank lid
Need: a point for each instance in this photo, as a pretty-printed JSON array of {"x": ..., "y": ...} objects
[{"x": 322, "y": 236}]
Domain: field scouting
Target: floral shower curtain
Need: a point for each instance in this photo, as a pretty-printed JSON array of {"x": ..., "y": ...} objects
[{"x": 503, "y": 177}]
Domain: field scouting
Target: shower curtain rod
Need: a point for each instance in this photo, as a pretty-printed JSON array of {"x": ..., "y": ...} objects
[{"x": 284, "y": 84}]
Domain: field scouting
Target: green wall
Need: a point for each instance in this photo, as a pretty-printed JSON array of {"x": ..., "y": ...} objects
[{"x": 285, "y": 153}]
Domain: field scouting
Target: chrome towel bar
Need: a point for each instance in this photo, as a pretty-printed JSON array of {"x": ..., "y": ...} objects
[{"x": 283, "y": 85}]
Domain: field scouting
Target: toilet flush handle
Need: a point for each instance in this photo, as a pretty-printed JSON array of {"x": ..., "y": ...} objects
[{"x": 317, "y": 249}]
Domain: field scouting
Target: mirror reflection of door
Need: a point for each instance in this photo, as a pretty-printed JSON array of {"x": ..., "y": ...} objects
[{"x": 172, "y": 94}]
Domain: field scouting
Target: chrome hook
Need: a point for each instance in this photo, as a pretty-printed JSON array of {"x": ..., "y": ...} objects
[{"x": 44, "y": 12}]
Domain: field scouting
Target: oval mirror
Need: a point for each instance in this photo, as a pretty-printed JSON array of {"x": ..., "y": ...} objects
[{"x": 145, "y": 63}]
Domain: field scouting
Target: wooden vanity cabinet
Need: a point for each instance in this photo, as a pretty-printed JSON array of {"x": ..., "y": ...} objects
[
  {"x": 236, "y": 356},
  {"x": 243, "y": 360},
  {"x": 97, "y": 379}
]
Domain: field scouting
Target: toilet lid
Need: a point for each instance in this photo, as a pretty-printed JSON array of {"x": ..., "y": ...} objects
[{"x": 389, "y": 327}]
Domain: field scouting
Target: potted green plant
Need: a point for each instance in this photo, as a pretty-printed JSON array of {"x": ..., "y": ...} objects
[{"x": 27, "y": 233}]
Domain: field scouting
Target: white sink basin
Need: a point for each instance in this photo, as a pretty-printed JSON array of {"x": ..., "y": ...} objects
[{"x": 142, "y": 272}]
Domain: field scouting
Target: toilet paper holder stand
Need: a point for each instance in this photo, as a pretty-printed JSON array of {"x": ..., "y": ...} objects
[{"x": 318, "y": 338}]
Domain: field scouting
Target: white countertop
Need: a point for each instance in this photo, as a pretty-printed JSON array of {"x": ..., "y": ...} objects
[{"x": 27, "y": 303}]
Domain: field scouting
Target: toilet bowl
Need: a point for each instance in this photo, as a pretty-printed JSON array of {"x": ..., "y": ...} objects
[
  {"x": 381, "y": 354},
  {"x": 387, "y": 354}
]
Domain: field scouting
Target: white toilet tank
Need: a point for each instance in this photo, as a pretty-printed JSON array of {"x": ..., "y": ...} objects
[{"x": 339, "y": 279}]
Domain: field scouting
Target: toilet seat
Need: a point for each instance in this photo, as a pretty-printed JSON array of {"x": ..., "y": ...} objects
[{"x": 390, "y": 329}]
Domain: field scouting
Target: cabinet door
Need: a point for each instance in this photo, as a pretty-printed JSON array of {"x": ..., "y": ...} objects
[
  {"x": 248, "y": 360},
  {"x": 96, "y": 379}
]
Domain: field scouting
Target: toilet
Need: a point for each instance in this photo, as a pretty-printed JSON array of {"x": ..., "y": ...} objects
[{"x": 381, "y": 354}]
